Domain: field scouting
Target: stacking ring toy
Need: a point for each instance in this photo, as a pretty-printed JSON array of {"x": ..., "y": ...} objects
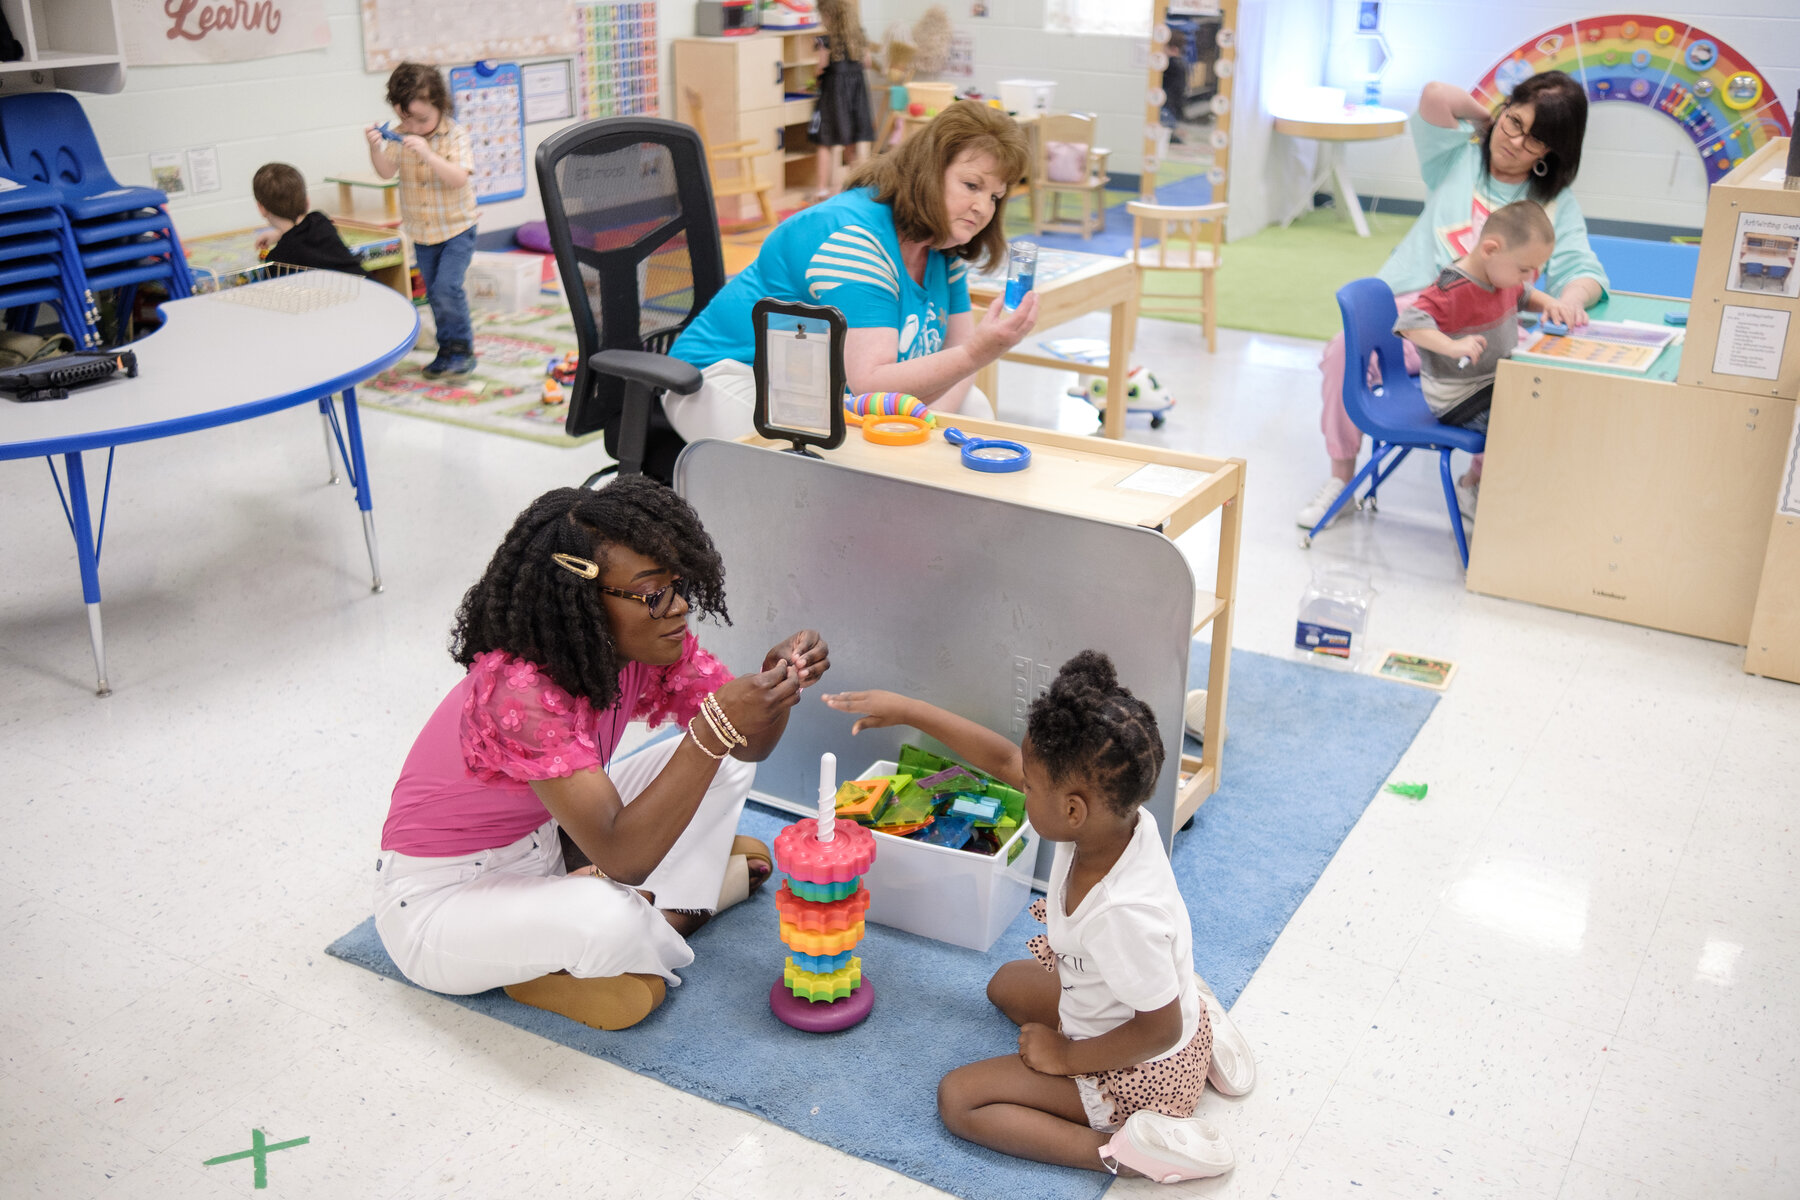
[
  {"x": 992, "y": 455},
  {"x": 822, "y": 987},
  {"x": 894, "y": 430}
]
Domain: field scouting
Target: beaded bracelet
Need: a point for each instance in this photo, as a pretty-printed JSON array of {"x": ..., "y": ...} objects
[
  {"x": 718, "y": 710},
  {"x": 725, "y": 739},
  {"x": 715, "y": 757}
]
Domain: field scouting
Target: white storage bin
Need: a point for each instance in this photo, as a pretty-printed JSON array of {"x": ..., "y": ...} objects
[
  {"x": 952, "y": 895},
  {"x": 1027, "y": 96},
  {"x": 504, "y": 282}
]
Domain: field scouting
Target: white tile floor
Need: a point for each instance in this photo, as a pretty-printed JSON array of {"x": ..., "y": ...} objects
[{"x": 1572, "y": 971}]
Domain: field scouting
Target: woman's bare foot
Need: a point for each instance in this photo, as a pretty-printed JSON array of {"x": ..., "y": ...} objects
[{"x": 611, "y": 1002}]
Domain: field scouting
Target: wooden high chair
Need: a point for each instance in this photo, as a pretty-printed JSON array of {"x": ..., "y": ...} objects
[
  {"x": 1181, "y": 238},
  {"x": 1090, "y": 190},
  {"x": 742, "y": 156}
]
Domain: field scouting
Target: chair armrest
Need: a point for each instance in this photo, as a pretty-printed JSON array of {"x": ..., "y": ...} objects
[{"x": 657, "y": 370}]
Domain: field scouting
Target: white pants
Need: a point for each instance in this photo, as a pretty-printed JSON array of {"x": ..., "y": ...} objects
[
  {"x": 726, "y": 403},
  {"x": 484, "y": 920}
]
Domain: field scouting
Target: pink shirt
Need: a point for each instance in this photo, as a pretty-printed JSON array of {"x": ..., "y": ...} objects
[{"x": 466, "y": 785}]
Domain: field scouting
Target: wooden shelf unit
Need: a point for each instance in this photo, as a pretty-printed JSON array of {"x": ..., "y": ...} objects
[
  {"x": 70, "y": 46},
  {"x": 761, "y": 86}
]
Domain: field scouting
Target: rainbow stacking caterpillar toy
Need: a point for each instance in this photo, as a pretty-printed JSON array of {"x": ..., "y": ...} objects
[
  {"x": 886, "y": 404},
  {"x": 822, "y": 988}
]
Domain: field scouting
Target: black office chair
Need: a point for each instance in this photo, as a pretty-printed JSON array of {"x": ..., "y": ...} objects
[{"x": 630, "y": 210}]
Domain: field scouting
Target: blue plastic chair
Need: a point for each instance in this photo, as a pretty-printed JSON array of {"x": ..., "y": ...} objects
[
  {"x": 39, "y": 262},
  {"x": 1394, "y": 413},
  {"x": 124, "y": 234}
]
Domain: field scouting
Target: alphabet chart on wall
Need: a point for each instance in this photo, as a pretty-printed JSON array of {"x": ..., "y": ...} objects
[
  {"x": 616, "y": 75},
  {"x": 489, "y": 102}
]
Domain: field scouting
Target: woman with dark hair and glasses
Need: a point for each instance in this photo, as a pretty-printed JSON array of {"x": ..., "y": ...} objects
[
  {"x": 518, "y": 851},
  {"x": 1474, "y": 162}
]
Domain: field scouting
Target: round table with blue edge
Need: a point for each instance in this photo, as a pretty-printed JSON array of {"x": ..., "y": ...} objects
[{"x": 217, "y": 360}]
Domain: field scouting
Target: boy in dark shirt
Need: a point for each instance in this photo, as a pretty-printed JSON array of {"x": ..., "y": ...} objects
[{"x": 301, "y": 238}]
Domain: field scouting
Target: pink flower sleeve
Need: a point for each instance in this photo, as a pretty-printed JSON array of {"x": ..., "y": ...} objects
[
  {"x": 518, "y": 725},
  {"x": 674, "y": 692}
]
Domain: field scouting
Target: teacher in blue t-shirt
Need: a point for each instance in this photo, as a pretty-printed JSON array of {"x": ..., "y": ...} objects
[{"x": 892, "y": 253}]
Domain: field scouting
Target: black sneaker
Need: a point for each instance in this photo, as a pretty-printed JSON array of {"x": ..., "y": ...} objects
[
  {"x": 435, "y": 368},
  {"x": 458, "y": 363}
]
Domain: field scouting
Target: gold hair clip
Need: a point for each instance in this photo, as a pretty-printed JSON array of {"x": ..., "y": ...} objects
[{"x": 577, "y": 566}]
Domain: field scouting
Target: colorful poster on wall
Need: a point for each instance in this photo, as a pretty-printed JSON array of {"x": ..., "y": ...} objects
[
  {"x": 167, "y": 32},
  {"x": 490, "y": 104}
]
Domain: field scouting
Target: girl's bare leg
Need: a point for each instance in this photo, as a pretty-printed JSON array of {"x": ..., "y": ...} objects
[
  {"x": 1024, "y": 991},
  {"x": 1004, "y": 1105}
]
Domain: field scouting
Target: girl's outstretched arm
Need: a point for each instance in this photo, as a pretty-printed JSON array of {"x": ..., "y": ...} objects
[{"x": 980, "y": 746}]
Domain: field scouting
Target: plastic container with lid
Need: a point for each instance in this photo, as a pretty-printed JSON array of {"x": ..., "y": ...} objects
[{"x": 1333, "y": 621}]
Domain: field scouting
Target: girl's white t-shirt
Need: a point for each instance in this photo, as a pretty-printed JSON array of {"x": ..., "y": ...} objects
[{"x": 1128, "y": 947}]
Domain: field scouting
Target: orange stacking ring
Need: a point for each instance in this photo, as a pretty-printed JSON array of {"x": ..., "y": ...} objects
[
  {"x": 820, "y": 944},
  {"x": 895, "y": 430},
  {"x": 816, "y": 917}
]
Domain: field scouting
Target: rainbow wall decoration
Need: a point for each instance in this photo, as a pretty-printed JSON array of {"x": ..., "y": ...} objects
[{"x": 1722, "y": 102}]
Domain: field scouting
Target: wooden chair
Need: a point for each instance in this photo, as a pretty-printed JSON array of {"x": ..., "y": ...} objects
[
  {"x": 741, "y": 156},
  {"x": 1046, "y": 194},
  {"x": 1179, "y": 238}
]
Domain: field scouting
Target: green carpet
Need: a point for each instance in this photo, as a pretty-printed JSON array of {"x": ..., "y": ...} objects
[{"x": 1285, "y": 281}]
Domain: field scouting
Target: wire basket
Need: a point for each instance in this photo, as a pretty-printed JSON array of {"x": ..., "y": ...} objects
[{"x": 280, "y": 287}]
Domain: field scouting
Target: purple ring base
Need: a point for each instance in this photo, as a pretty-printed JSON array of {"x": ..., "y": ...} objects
[{"x": 809, "y": 1016}]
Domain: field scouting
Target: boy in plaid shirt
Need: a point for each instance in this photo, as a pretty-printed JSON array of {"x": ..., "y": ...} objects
[{"x": 435, "y": 162}]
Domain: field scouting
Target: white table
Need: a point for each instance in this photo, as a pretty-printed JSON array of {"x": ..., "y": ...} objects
[
  {"x": 1331, "y": 129},
  {"x": 213, "y": 362}
]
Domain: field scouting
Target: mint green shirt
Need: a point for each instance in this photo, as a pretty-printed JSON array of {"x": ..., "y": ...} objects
[{"x": 1461, "y": 197}]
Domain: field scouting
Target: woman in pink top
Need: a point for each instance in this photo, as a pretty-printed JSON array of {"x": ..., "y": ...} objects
[{"x": 579, "y": 626}]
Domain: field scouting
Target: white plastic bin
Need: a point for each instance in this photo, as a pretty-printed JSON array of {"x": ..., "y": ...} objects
[
  {"x": 504, "y": 282},
  {"x": 952, "y": 895},
  {"x": 1026, "y": 96}
]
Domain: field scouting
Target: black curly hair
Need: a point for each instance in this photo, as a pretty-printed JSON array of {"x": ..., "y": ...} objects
[
  {"x": 1088, "y": 725},
  {"x": 528, "y": 606}
]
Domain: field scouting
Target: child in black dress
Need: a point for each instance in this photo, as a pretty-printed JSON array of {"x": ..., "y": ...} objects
[{"x": 843, "y": 118}]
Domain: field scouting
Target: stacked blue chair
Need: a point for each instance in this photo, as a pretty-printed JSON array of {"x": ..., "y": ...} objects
[
  {"x": 1393, "y": 413},
  {"x": 123, "y": 235},
  {"x": 39, "y": 263}
]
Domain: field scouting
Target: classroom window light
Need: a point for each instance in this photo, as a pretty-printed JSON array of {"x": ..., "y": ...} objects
[{"x": 1097, "y": 16}]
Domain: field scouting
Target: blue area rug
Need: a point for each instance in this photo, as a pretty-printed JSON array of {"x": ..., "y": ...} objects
[{"x": 1307, "y": 751}]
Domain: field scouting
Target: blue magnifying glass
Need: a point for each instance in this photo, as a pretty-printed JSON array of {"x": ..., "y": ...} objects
[{"x": 989, "y": 454}]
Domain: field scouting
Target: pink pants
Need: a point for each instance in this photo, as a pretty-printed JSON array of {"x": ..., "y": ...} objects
[{"x": 1342, "y": 438}]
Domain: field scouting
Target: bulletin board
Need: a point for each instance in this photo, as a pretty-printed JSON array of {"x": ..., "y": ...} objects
[
  {"x": 450, "y": 31},
  {"x": 491, "y": 106}
]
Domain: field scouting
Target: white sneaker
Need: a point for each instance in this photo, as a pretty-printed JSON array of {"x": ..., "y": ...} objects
[
  {"x": 1466, "y": 498},
  {"x": 1232, "y": 1071},
  {"x": 1315, "y": 508},
  {"x": 1168, "y": 1149}
]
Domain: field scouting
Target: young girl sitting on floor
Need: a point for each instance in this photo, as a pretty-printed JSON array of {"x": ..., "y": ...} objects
[{"x": 1117, "y": 1034}]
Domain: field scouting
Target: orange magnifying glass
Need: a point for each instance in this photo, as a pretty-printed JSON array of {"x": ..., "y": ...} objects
[{"x": 895, "y": 430}]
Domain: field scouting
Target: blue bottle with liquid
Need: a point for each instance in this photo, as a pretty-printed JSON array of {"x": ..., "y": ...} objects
[{"x": 1021, "y": 272}]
